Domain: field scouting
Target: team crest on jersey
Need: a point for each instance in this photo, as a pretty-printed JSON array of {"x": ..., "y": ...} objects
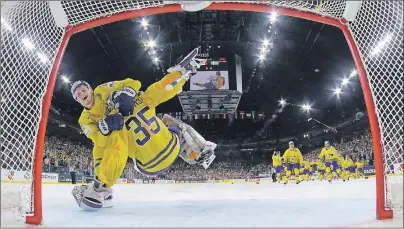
[
  {"x": 99, "y": 95},
  {"x": 111, "y": 84}
]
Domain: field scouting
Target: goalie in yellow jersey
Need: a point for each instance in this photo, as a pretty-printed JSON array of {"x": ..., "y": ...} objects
[
  {"x": 293, "y": 158},
  {"x": 330, "y": 156},
  {"x": 122, "y": 123}
]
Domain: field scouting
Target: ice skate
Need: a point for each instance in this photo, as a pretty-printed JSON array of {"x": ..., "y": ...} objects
[
  {"x": 93, "y": 197},
  {"x": 188, "y": 64},
  {"x": 207, "y": 155}
]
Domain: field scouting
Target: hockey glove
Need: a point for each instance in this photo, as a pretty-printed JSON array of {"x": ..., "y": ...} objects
[
  {"x": 110, "y": 123},
  {"x": 125, "y": 100}
]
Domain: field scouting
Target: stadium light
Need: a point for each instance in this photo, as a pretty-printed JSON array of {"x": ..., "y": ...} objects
[
  {"x": 345, "y": 81},
  {"x": 264, "y": 50},
  {"x": 65, "y": 79},
  {"x": 42, "y": 57},
  {"x": 306, "y": 107},
  {"x": 153, "y": 52},
  {"x": 27, "y": 43},
  {"x": 381, "y": 45},
  {"x": 144, "y": 22},
  {"x": 262, "y": 57},
  {"x": 282, "y": 102},
  {"x": 152, "y": 44},
  {"x": 309, "y": 119},
  {"x": 265, "y": 43},
  {"x": 353, "y": 73},
  {"x": 156, "y": 59},
  {"x": 337, "y": 91},
  {"x": 273, "y": 17},
  {"x": 5, "y": 24}
]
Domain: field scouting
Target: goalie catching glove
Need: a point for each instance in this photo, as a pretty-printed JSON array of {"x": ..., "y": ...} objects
[
  {"x": 123, "y": 100},
  {"x": 92, "y": 197}
]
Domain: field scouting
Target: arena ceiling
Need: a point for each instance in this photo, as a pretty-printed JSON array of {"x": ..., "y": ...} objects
[{"x": 307, "y": 61}]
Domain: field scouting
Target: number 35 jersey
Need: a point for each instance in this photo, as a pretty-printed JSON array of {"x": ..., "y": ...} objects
[
  {"x": 151, "y": 144},
  {"x": 144, "y": 137}
]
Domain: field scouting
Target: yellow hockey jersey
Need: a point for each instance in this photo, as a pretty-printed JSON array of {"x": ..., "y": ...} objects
[
  {"x": 329, "y": 154},
  {"x": 348, "y": 163},
  {"x": 276, "y": 160},
  {"x": 144, "y": 137},
  {"x": 115, "y": 144},
  {"x": 156, "y": 146},
  {"x": 307, "y": 165},
  {"x": 320, "y": 165},
  {"x": 341, "y": 161},
  {"x": 360, "y": 164},
  {"x": 293, "y": 156},
  {"x": 89, "y": 118}
]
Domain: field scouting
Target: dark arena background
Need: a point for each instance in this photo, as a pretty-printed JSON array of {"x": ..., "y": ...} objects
[{"x": 280, "y": 72}]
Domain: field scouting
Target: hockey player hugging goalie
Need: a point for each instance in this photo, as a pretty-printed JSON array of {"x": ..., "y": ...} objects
[{"x": 122, "y": 123}]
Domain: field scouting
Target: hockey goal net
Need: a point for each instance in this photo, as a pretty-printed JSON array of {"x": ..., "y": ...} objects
[{"x": 34, "y": 35}]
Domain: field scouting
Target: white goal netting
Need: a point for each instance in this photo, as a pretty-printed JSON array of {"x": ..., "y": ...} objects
[{"x": 30, "y": 40}]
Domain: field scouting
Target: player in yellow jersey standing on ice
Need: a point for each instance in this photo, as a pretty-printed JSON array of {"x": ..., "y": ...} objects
[
  {"x": 292, "y": 157},
  {"x": 306, "y": 170},
  {"x": 320, "y": 169},
  {"x": 330, "y": 156},
  {"x": 122, "y": 123},
  {"x": 277, "y": 164},
  {"x": 341, "y": 165},
  {"x": 360, "y": 164},
  {"x": 348, "y": 168}
]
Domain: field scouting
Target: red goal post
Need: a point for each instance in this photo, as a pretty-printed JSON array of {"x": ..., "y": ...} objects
[{"x": 33, "y": 46}]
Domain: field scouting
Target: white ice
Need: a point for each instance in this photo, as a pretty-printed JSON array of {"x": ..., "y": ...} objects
[{"x": 309, "y": 204}]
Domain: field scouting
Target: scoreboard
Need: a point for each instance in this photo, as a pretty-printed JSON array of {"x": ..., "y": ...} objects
[{"x": 213, "y": 75}]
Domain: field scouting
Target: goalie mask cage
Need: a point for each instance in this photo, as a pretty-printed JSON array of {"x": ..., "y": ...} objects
[{"x": 34, "y": 36}]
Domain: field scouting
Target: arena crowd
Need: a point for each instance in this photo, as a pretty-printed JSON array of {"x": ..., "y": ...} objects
[{"x": 63, "y": 155}]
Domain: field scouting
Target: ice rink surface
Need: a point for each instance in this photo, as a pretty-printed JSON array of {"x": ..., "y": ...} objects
[{"x": 308, "y": 204}]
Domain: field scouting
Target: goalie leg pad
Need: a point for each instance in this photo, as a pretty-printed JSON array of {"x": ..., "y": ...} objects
[
  {"x": 186, "y": 133},
  {"x": 194, "y": 148}
]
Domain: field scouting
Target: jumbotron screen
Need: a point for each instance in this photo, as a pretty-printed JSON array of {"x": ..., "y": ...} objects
[{"x": 214, "y": 75}]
